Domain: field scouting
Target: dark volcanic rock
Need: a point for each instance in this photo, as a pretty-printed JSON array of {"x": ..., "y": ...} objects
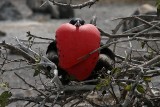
[
  {"x": 53, "y": 10},
  {"x": 65, "y": 12},
  {"x": 22, "y": 8},
  {"x": 2, "y": 34},
  {"x": 18, "y": 9},
  {"x": 8, "y": 11}
]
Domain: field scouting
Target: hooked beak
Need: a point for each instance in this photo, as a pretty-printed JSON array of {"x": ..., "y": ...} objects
[{"x": 77, "y": 24}]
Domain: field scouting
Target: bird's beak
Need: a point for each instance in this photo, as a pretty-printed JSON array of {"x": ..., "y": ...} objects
[{"x": 77, "y": 24}]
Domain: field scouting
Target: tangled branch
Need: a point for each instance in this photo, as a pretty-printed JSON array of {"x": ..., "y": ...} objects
[
  {"x": 78, "y": 6},
  {"x": 128, "y": 84}
]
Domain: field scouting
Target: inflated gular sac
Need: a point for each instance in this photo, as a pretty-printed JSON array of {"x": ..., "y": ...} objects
[{"x": 74, "y": 42}]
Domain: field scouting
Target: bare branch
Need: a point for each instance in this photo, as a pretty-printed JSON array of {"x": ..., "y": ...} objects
[
  {"x": 20, "y": 51},
  {"x": 152, "y": 61},
  {"x": 141, "y": 16},
  {"x": 78, "y": 6},
  {"x": 34, "y": 36},
  {"x": 34, "y": 88}
]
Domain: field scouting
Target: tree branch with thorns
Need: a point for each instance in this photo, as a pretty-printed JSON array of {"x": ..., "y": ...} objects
[{"x": 129, "y": 83}]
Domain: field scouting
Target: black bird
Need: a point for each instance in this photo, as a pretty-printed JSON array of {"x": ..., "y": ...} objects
[
  {"x": 77, "y": 22},
  {"x": 52, "y": 55}
]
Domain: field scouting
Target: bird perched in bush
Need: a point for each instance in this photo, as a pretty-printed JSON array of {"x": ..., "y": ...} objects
[{"x": 73, "y": 41}]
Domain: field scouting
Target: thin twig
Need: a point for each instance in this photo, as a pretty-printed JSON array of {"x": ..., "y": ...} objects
[
  {"x": 34, "y": 88},
  {"x": 147, "y": 23},
  {"x": 141, "y": 16},
  {"x": 20, "y": 51},
  {"x": 31, "y": 35},
  {"x": 78, "y": 6}
]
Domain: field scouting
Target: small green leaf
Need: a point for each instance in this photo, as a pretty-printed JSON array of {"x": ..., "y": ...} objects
[
  {"x": 98, "y": 86},
  {"x": 140, "y": 89},
  {"x": 122, "y": 84},
  {"x": 29, "y": 38},
  {"x": 106, "y": 82},
  {"x": 116, "y": 70},
  {"x": 4, "y": 98},
  {"x": 158, "y": 7},
  {"x": 6, "y": 94},
  {"x": 103, "y": 83},
  {"x": 37, "y": 59},
  {"x": 4, "y": 85},
  {"x": 128, "y": 87},
  {"x": 147, "y": 79},
  {"x": 143, "y": 44},
  {"x": 37, "y": 71},
  {"x": 157, "y": 2}
]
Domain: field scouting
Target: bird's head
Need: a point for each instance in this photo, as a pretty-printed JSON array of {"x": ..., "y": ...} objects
[{"x": 77, "y": 22}]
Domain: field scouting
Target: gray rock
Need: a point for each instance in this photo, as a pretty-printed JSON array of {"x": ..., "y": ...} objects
[
  {"x": 8, "y": 11},
  {"x": 22, "y": 8},
  {"x": 145, "y": 9},
  {"x": 2, "y": 34},
  {"x": 65, "y": 12},
  {"x": 53, "y": 10}
]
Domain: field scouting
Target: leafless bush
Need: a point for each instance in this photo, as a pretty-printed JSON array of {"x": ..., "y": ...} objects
[{"x": 130, "y": 83}]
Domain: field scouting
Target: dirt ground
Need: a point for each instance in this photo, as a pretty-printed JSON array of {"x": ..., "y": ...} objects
[{"x": 46, "y": 28}]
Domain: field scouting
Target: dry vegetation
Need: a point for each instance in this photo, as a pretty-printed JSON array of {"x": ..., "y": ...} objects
[
  {"x": 128, "y": 84},
  {"x": 122, "y": 1}
]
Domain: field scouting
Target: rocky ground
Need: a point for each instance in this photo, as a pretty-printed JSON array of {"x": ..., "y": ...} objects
[{"x": 45, "y": 27}]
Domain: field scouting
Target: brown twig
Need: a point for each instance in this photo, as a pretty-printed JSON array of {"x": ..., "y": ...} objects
[
  {"x": 34, "y": 88},
  {"x": 132, "y": 34},
  {"x": 141, "y": 16},
  {"x": 78, "y": 6},
  {"x": 20, "y": 51},
  {"x": 147, "y": 23},
  {"x": 36, "y": 100},
  {"x": 34, "y": 36},
  {"x": 152, "y": 61}
]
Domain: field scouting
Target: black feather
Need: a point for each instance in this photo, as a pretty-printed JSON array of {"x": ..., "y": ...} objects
[
  {"x": 74, "y": 20},
  {"x": 103, "y": 62},
  {"x": 108, "y": 52},
  {"x": 52, "y": 55},
  {"x": 52, "y": 47}
]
